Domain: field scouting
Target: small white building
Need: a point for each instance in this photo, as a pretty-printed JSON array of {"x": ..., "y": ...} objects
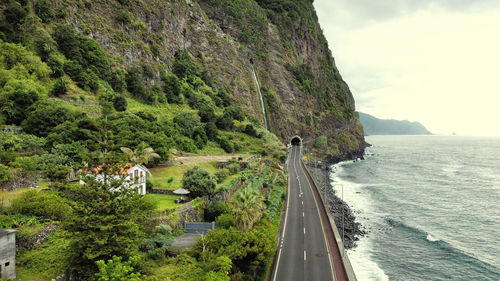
[
  {"x": 134, "y": 176},
  {"x": 7, "y": 254}
]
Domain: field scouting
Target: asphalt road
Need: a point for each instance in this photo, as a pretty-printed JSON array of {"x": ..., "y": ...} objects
[{"x": 303, "y": 252}]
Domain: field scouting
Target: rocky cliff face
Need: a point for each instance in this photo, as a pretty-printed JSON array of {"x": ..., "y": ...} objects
[{"x": 303, "y": 91}]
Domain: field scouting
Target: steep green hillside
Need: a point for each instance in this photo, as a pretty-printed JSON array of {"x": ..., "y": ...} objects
[{"x": 115, "y": 51}]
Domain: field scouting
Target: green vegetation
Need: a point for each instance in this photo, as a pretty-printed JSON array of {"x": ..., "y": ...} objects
[
  {"x": 163, "y": 201},
  {"x": 69, "y": 104},
  {"x": 171, "y": 177},
  {"x": 44, "y": 262},
  {"x": 199, "y": 182},
  {"x": 116, "y": 270},
  {"x": 45, "y": 205},
  {"x": 250, "y": 21}
]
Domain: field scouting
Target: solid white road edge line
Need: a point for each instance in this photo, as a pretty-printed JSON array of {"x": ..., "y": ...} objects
[{"x": 284, "y": 229}]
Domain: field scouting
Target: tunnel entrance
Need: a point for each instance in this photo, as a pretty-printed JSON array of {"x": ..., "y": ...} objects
[{"x": 296, "y": 140}]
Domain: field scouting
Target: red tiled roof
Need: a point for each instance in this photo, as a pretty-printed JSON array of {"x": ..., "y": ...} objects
[{"x": 123, "y": 171}]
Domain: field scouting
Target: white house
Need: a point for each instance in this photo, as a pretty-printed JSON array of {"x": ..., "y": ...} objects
[{"x": 134, "y": 176}]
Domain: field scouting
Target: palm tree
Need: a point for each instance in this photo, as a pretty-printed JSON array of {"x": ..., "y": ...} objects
[
  {"x": 141, "y": 155},
  {"x": 247, "y": 207}
]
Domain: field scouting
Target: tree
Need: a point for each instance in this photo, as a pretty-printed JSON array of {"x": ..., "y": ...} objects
[
  {"x": 107, "y": 220},
  {"x": 247, "y": 207},
  {"x": 135, "y": 83},
  {"x": 183, "y": 66},
  {"x": 16, "y": 97},
  {"x": 199, "y": 182},
  {"x": 172, "y": 88},
  {"x": 58, "y": 174},
  {"x": 250, "y": 251},
  {"x": 45, "y": 117},
  {"x": 59, "y": 88},
  {"x": 141, "y": 155}
]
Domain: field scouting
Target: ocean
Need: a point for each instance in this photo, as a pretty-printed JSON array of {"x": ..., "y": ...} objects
[{"x": 430, "y": 204}]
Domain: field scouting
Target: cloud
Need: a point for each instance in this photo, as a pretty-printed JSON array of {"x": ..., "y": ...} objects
[
  {"x": 435, "y": 66},
  {"x": 353, "y": 14}
]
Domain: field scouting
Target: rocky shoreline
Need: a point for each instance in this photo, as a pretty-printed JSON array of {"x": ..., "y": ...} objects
[{"x": 353, "y": 229}]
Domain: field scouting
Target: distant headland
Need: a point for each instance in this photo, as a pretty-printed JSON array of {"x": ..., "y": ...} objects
[{"x": 375, "y": 126}]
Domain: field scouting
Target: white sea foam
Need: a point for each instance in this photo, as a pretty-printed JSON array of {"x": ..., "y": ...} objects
[
  {"x": 431, "y": 238},
  {"x": 364, "y": 267}
]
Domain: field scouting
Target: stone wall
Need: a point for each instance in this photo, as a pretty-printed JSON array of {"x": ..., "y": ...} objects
[
  {"x": 190, "y": 212},
  {"x": 20, "y": 180},
  {"x": 161, "y": 191}
]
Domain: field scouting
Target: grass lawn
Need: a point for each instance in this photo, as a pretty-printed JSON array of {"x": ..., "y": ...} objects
[
  {"x": 161, "y": 175},
  {"x": 164, "y": 201},
  {"x": 7, "y": 196}
]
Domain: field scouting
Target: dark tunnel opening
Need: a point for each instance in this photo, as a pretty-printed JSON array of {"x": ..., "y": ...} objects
[{"x": 296, "y": 141}]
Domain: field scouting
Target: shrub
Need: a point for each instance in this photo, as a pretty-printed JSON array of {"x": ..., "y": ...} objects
[
  {"x": 45, "y": 118},
  {"x": 235, "y": 112},
  {"x": 250, "y": 130},
  {"x": 120, "y": 103},
  {"x": 215, "y": 209},
  {"x": 233, "y": 168},
  {"x": 116, "y": 270},
  {"x": 199, "y": 182},
  {"x": 117, "y": 80},
  {"x": 186, "y": 123},
  {"x": 211, "y": 131},
  {"x": 221, "y": 175},
  {"x": 13, "y": 15},
  {"x": 59, "y": 88},
  {"x": 172, "y": 88},
  {"x": 225, "y": 221},
  {"x": 27, "y": 164},
  {"x": 43, "y": 204},
  {"x": 73, "y": 69},
  {"x": 279, "y": 155},
  {"x": 44, "y": 11},
  {"x": 155, "y": 50},
  {"x": 251, "y": 251},
  {"x": 148, "y": 71},
  {"x": 184, "y": 66},
  {"x": 135, "y": 83},
  {"x": 56, "y": 64},
  {"x": 17, "y": 98},
  {"x": 123, "y": 17},
  {"x": 67, "y": 41},
  {"x": 320, "y": 142},
  {"x": 5, "y": 174},
  {"x": 225, "y": 144},
  {"x": 159, "y": 243},
  {"x": 56, "y": 173},
  {"x": 94, "y": 57}
]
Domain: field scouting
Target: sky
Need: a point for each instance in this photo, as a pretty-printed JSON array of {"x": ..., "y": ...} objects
[{"x": 432, "y": 61}]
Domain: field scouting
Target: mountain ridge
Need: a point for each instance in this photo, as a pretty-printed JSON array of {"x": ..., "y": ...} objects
[{"x": 376, "y": 126}]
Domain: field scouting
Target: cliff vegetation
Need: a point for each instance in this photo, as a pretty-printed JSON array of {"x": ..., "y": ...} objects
[{"x": 81, "y": 81}]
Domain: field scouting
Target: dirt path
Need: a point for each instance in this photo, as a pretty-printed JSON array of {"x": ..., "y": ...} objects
[{"x": 186, "y": 160}]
